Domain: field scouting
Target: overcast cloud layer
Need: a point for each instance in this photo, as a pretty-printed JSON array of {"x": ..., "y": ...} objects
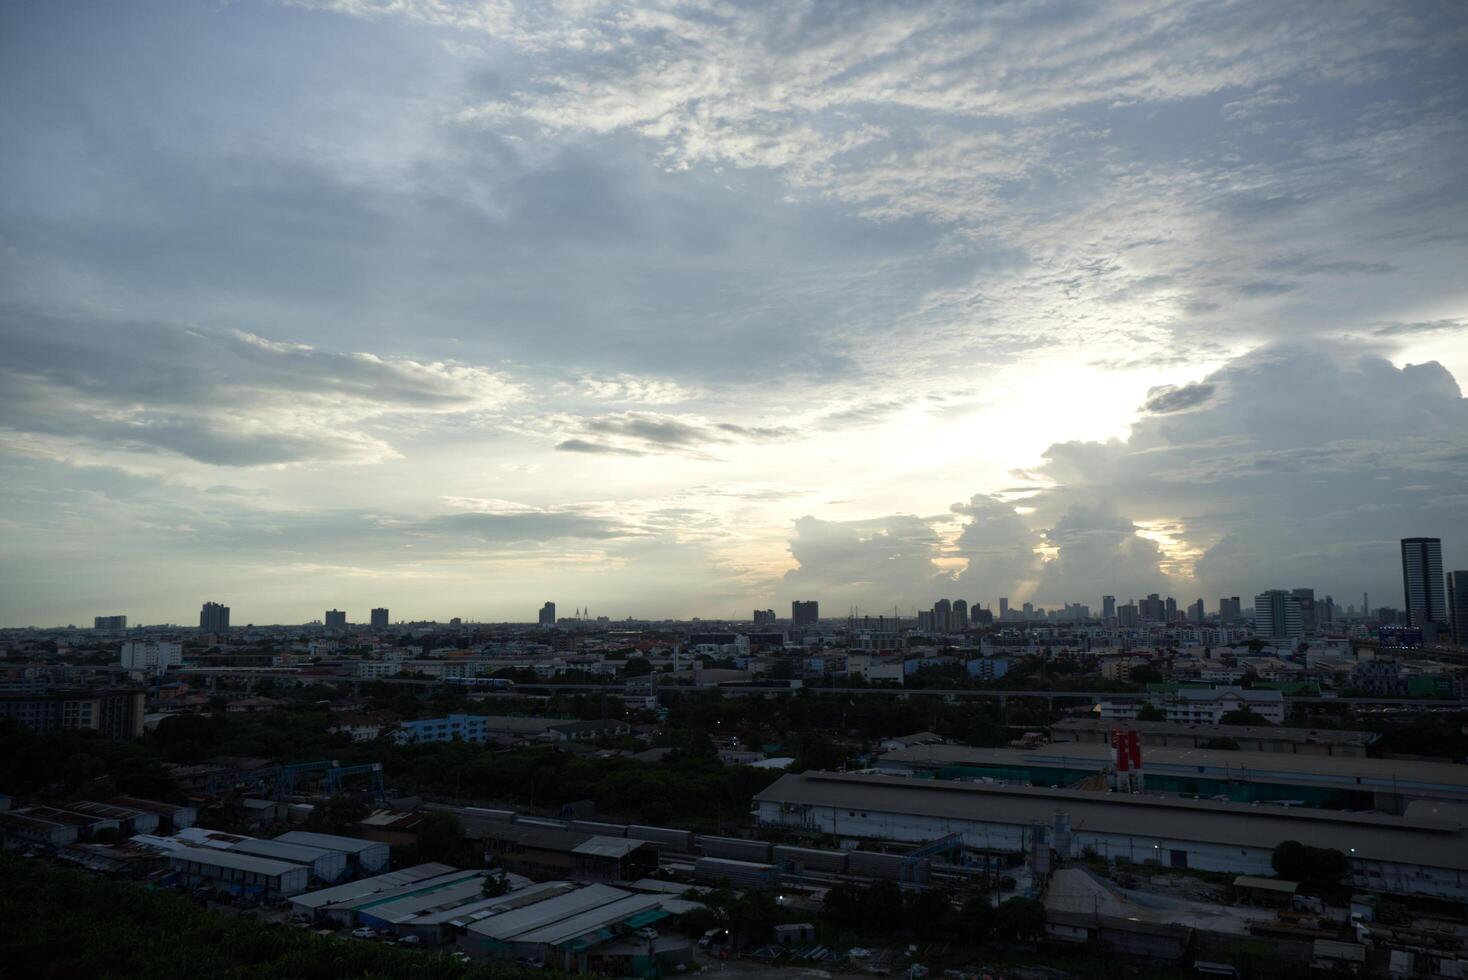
[{"x": 690, "y": 308}]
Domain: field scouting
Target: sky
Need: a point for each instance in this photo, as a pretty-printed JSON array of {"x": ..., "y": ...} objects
[{"x": 688, "y": 309}]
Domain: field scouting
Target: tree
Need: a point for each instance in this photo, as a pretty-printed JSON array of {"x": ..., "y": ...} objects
[
  {"x": 930, "y": 914},
  {"x": 1145, "y": 674},
  {"x": 494, "y": 886},
  {"x": 1320, "y": 867},
  {"x": 441, "y": 838},
  {"x": 1150, "y": 712},
  {"x": 338, "y": 815},
  {"x": 1020, "y": 920},
  {"x": 637, "y": 667},
  {"x": 1243, "y": 716}
]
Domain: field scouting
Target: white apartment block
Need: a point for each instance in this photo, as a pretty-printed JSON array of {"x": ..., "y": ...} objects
[{"x": 152, "y": 656}]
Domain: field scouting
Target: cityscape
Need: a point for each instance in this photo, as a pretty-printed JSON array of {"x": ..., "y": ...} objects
[{"x": 495, "y": 490}]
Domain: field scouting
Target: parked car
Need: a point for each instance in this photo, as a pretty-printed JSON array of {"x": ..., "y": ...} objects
[
  {"x": 364, "y": 932},
  {"x": 410, "y": 941},
  {"x": 712, "y": 937},
  {"x": 647, "y": 932}
]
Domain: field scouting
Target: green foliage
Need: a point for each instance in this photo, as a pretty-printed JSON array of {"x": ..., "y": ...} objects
[
  {"x": 63, "y": 924},
  {"x": 1150, "y": 712},
  {"x": 1145, "y": 674},
  {"x": 80, "y": 762},
  {"x": 1243, "y": 716},
  {"x": 1019, "y": 920},
  {"x": 441, "y": 839},
  {"x": 1318, "y": 867}
]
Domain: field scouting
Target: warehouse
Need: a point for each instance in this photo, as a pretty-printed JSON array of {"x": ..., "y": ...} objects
[
  {"x": 325, "y": 865},
  {"x": 131, "y": 819},
  {"x": 363, "y": 856},
  {"x": 591, "y": 929},
  {"x": 173, "y": 816},
  {"x": 1249, "y": 738},
  {"x": 313, "y": 902},
  {"x": 1387, "y": 853},
  {"x": 23, "y": 832},
  {"x": 1312, "y": 780},
  {"x": 442, "y": 924},
  {"x": 239, "y": 874},
  {"x": 549, "y": 852},
  {"x": 350, "y": 911},
  {"x": 387, "y": 913}
]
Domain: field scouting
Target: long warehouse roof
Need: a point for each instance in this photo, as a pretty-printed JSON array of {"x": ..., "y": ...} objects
[
  {"x": 234, "y": 861},
  {"x": 1094, "y": 754},
  {"x": 1372, "y": 836},
  {"x": 371, "y": 886}
]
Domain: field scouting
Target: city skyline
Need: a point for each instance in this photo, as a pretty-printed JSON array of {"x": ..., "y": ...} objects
[{"x": 673, "y": 313}]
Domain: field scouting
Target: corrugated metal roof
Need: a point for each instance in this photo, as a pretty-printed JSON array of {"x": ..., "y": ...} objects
[
  {"x": 370, "y": 886},
  {"x": 510, "y": 924},
  {"x": 234, "y": 861},
  {"x": 331, "y": 842},
  {"x": 1372, "y": 836}
]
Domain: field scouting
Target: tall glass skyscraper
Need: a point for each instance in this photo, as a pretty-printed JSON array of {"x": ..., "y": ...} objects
[{"x": 1422, "y": 581}]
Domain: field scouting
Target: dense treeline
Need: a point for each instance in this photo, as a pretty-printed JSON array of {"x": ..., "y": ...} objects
[{"x": 62, "y": 924}]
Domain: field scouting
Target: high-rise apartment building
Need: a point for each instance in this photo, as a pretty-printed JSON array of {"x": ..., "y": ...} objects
[
  {"x": 214, "y": 618},
  {"x": 1230, "y": 609},
  {"x": 1277, "y": 615},
  {"x": 1458, "y": 606},
  {"x": 1422, "y": 582},
  {"x": 548, "y": 614},
  {"x": 764, "y": 617},
  {"x": 336, "y": 619},
  {"x": 1196, "y": 612},
  {"x": 806, "y": 613},
  {"x": 1128, "y": 615},
  {"x": 1003, "y": 607},
  {"x": 379, "y": 618},
  {"x": 109, "y": 623},
  {"x": 1108, "y": 608},
  {"x": 960, "y": 615},
  {"x": 943, "y": 616}
]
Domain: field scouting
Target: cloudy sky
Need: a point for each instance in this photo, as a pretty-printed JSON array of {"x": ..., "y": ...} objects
[{"x": 690, "y": 308}]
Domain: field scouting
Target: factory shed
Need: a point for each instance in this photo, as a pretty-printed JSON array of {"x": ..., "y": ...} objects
[
  {"x": 325, "y": 865},
  {"x": 21, "y": 831},
  {"x": 131, "y": 820},
  {"x": 312, "y": 902},
  {"x": 550, "y": 852},
  {"x": 174, "y": 816},
  {"x": 349, "y": 912},
  {"x": 240, "y": 874},
  {"x": 364, "y": 856},
  {"x": 1387, "y": 853}
]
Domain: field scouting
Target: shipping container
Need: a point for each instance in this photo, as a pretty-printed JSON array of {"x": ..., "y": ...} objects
[
  {"x": 680, "y": 841},
  {"x": 810, "y": 859},
  {"x": 740, "y": 874}
]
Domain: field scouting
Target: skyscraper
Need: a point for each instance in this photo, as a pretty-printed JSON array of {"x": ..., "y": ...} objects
[
  {"x": 960, "y": 615},
  {"x": 1230, "y": 609},
  {"x": 1196, "y": 611},
  {"x": 1422, "y": 582},
  {"x": 1108, "y": 608},
  {"x": 109, "y": 622},
  {"x": 1307, "y": 608},
  {"x": 1277, "y": 615},
  {"x": 943, "y": 615},
  {"x": 548, "y": 614},
  {"x": 214, "y": 618},
  {"x": 379, "y": 618},
  {"x": 1458, "y": 606},
  {"x": 336, "y": 619},
  {"x": 806, "y": 613},
  {"x": 1003, "y": 607}
]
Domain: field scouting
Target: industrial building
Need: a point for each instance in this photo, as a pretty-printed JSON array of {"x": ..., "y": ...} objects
[
  {"x": 1408, "y": 854},
  {"x": 313, "y": 903},
  {"x": 1350, "y": 784},
  {"x": 550, "y": 852},
  {"x": 1249, "y": 738},
  {"x": 592, "y": 928},
  {"x": 240, "y": 874},
  {"x": 363, "y": 856},
  {"x": 324, "y": 864},
  {"x": 377, "y": 909}
]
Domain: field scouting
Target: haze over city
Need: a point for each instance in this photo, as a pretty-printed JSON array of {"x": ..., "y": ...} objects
[{"x": 687, "y": 310}]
